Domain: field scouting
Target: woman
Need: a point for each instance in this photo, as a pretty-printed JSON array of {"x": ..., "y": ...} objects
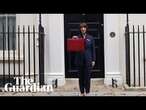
[{"x": 85, "y": 60}]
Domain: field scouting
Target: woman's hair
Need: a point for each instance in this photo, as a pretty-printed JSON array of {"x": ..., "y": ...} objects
[{"x": 83, "y": 25}]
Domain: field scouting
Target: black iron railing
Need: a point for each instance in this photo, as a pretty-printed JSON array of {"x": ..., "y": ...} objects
[
  {"x": 135, "y": 56},
  {"x": 22, "y": 57}
]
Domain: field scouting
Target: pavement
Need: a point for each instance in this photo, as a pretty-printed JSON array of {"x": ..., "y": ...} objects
[{"x": 71, "y": 89}]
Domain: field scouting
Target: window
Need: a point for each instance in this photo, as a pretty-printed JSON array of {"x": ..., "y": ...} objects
[{"x": 7, "y": 20}]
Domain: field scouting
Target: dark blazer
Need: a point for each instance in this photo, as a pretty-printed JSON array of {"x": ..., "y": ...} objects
[{"x": 85, "y": 58}]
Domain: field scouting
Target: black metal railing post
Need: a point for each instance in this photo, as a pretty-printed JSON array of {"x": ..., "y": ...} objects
[
  {"x": 144, "y": 55},
  {"x": 127, "y": 46},
  {"x": 8, "y": 52},
  {"x": 139, "y": 65},
  {"x": 134, "y": 67},
  {"x": 41, "y": 52},
  {"x": 24, "y": 53},
  {"x": 34, "y": 62},
  {"x": 4, "y": 73},
  {"x": 29, "y": 52}
]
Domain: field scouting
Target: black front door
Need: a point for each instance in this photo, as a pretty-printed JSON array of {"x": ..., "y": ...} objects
[{"x": 95, "y": 24}]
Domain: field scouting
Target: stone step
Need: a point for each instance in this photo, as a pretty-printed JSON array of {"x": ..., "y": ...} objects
[
  {"x": 93, "y": 81},
  {"x": 73, "y": 85}
]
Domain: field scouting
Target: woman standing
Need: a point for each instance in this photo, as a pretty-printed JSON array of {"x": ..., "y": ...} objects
[{"x": 85, "y": 60}]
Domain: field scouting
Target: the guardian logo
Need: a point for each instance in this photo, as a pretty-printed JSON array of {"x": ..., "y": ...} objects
[{"x": 26, "y": 85}]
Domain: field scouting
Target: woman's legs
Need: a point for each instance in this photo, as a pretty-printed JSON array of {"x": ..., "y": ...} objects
[
  {"x": 87, "y": 79},
  {"x": 81, "y": 79},
  {"x": 84, "y": 79}
]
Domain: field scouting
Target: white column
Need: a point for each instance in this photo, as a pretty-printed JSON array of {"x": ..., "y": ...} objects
[
  {"x": 54, "y": 47},
  {"x": 114, "y": 62}
]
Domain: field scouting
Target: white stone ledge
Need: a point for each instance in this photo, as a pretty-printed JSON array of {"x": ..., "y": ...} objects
[
  {"x": 49, "y": 77},
  {"x": 113, "y": 75}
]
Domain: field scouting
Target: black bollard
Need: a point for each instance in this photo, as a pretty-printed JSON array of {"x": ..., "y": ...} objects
[{"x": 114, "y": 83}]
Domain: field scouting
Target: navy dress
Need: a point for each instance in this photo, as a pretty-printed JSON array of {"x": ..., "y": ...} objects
[{"x": 84, "y": 63}]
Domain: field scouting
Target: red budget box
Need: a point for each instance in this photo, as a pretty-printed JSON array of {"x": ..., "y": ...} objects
[{"x": 75, "y": 45}]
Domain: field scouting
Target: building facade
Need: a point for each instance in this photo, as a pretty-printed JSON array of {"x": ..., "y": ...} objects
[{"x": 113, "y": 48}]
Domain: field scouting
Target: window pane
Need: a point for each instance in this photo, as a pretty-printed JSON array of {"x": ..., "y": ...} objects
[
  {"x": 12, "y": 25},
  {"x": 2, "y": 22}
]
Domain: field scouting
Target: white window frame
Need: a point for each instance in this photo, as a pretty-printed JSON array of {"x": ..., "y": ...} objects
[{"x": 16, "y": 45}]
